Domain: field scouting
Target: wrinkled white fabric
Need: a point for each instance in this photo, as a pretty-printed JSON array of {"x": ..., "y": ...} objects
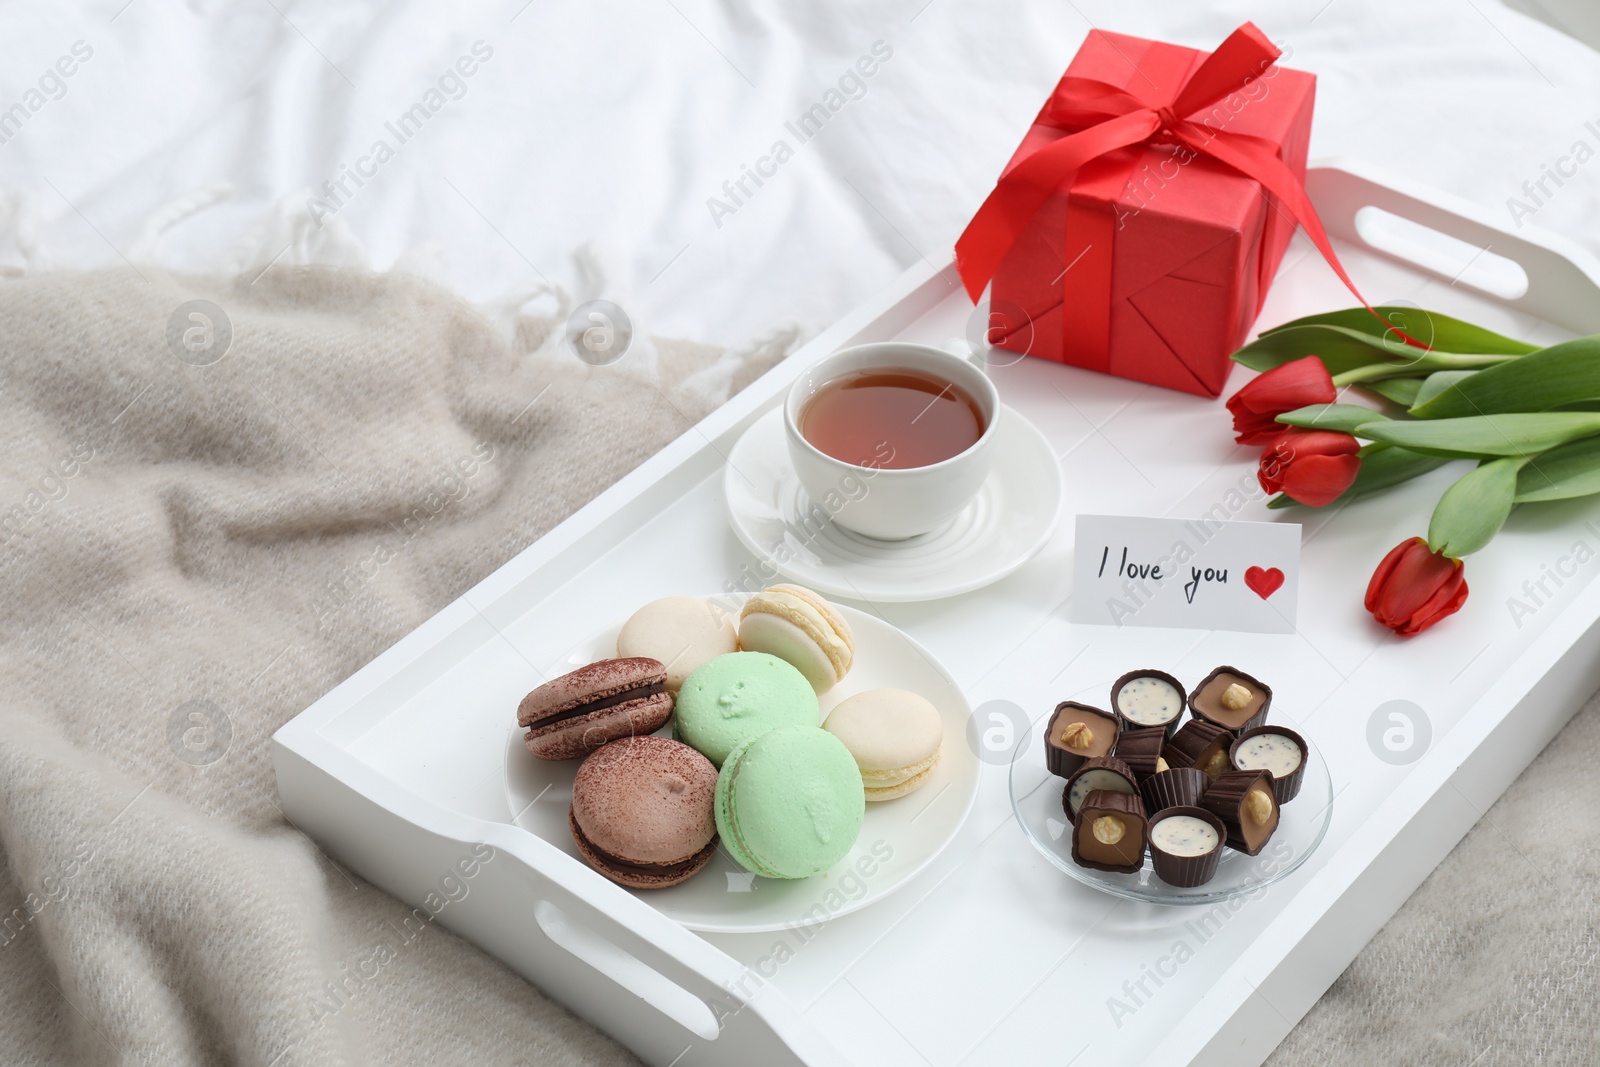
[{"x": 618, "y": 123}]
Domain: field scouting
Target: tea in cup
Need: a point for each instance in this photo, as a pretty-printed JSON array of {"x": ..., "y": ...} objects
[{"x": 893, "y": 439}]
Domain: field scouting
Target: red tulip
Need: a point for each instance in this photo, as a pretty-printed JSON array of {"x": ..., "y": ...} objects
[
  {"x": 1262, "y": 400},
  {"x": 1312, "y": 466},
  {"x": 1413, "y": 588}
]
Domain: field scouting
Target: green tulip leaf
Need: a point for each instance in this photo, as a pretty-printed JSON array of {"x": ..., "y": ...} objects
[
  {"x": 1340, "y": 349},
  {"x": 1567, "y": 373},
  {"x": 1381, "y": 467},
  {"x": 1472, "y": 511},
  {"x": 1562, "y": 473},
  {"x": 1436, "y": 383},
  {"x": 1510, "y": 434},
  {"x": 1429, "y": 327},
  {"x": 1342, "y": 418},
  {"x": 1402, "y": 391},
  {"x": 1385, "y": 465}
]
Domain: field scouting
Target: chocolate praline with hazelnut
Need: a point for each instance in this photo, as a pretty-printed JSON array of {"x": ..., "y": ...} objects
[
  {"x": 1109, "y": 833},
  {"x": 1231, "y": 699},
  {"x": 1077, "y": 732},
  {"x": 1202, "y": 745},
  {"x": 1245, "y": 803}
]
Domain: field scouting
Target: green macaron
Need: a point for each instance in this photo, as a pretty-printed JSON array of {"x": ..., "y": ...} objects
[
  {"x": 789, "y": 803},
  {"x": 732, "y": 698}
]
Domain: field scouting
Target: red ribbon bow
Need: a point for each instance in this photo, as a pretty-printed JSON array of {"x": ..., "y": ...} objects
[{"x": 1108, "y": 117}]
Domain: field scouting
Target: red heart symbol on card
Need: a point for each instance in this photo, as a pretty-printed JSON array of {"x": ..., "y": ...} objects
[{"x": 1264, "y": 582}]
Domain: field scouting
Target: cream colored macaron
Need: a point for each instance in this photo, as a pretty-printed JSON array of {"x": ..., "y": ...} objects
[
  {"x": 681, "y": 631},
  {"x": 895, "y": 735},
  {"x": 797, "y": 625}
]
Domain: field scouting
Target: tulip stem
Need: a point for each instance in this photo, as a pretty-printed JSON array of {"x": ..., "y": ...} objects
[{"x": 1425, "y": 364}]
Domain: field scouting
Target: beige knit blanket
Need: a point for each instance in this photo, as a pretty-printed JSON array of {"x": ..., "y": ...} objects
[
  {"x": 192, "y": 554},
  {"x": 1495, "y": 959},
  {"x": 192, "y": 551}
]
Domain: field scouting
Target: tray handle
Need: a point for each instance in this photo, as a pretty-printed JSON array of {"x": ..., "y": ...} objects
[
  {"x": 1563, "y": 279},
  {"x": 700, "y": 1008},
  {"x": 627, "y": 970},
  {"x": 593, "y": 947}
]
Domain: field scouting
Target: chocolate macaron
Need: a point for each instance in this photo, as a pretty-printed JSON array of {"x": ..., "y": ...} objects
[
  {"x": 575, "y": 714},
  {"x": 643, "y": 811}
]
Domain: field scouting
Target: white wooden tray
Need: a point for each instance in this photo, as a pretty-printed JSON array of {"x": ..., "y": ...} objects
[{"x": 991, "y": 955}]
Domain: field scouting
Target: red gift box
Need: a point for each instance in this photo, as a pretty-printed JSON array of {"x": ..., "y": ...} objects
[{"x": 1138, "y": 226}]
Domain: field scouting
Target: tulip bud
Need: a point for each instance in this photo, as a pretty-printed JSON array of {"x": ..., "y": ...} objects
[
  {"x": 1293, "y": 385},
  {"x": 1414, "y": 587},
  {"x": 1313, "y": 466}
]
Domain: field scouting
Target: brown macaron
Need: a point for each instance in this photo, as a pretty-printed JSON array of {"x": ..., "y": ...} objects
[
  {"x": 571, "y": 716},
  {"x": 643, "y": 812}
]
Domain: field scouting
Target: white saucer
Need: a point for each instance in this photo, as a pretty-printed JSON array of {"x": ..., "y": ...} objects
[{"x": 1006, "y": 525}]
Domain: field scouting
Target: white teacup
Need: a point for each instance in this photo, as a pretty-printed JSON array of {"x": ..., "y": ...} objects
[{"x": 887, "y": 503}]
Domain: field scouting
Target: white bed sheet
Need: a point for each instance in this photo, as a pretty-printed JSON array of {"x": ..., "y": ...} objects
[{"x": 617, "y": 122}]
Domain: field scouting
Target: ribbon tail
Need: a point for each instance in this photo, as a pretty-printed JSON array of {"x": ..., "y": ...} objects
[
  {"x": 1239, "y": 60},
  {"x": 1266, "y": 168},
  {"x": 1023, "y": 190}
]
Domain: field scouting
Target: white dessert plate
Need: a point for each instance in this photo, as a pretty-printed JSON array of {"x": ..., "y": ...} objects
[
  {"x": 1006, "y": 525},
  {"x": 1303, "y": 821},
  {"x": 898, "y": 838}
]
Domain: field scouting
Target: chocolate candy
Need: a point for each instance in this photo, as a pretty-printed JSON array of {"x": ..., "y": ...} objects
[
  {"x": 1186, "y": 845},
  {"x": 1244, "y": 801},
  {"x": 1175, "y": 787},
  {"x": 1147, "y": 698},
  {"x": 1141, "y": 749},
  {"x": 1231, "y": 699},
  {"x": 1278, "y": 751},
  {"x": 1101, "y": 772},
  {"x": 1202, "y": 745},
  {"x": 1077, "y": 732},
  {"x": 1109, "y": 832}
]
